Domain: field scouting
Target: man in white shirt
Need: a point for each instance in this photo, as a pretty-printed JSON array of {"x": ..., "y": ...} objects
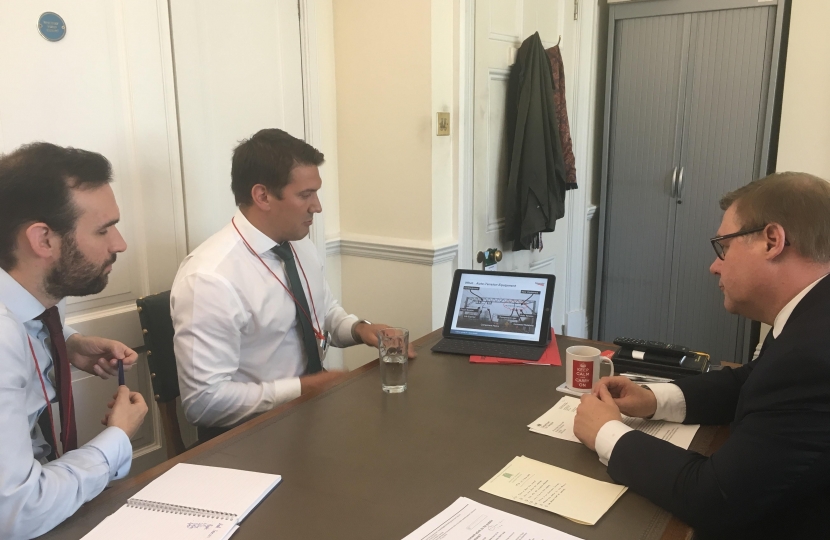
[
  {"x": 251, "y": 305},
  {"x": 57, "y": 239},
  {"x": 772, "y": 475}
]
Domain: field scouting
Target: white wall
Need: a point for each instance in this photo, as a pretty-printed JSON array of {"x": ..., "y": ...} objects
[
  {"x": 804, "y": 141},
  {"x": 804, "y": 136},
  {"x": 395, "y": 66},
  {"x": 394, "y": 69}
]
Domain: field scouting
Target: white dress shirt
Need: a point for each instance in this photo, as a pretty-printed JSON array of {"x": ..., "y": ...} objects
[
  {"x": 671, "y": 404},
  {"x": 35, "y": 495},
  {"x": 237, "y": 341}
]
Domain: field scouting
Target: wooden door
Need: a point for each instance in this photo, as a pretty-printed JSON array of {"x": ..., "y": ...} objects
[
  {"x": 107, "y": 86},
  {"x": 500, "y": 28}
]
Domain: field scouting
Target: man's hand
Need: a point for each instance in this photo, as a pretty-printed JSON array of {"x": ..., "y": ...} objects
[
  {"x": 631, "y": 398},
  {"x": 320, "y": 381},
  {"x": 368, "y": 334},
  {"x": 593, "y": 413},
  {"x": 127, "y": 410},
  {"x": 99, "y": 356}
]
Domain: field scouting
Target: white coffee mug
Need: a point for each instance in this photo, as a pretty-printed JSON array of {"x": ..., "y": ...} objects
[{"x": 582, "y": 365}]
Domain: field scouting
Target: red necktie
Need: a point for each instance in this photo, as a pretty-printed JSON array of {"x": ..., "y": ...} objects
[{"x": 63, "y": 378}]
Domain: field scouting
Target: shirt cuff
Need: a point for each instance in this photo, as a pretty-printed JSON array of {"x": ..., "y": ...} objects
[
  {"x": 607, "y": 438},
  {"x": 343, "y": 332},
  {"x": 671, "y": 403},
  {"x": 68, "y": 332},
  {"x": 115, "y": 445},
  {"x": 285, "y": 390}
]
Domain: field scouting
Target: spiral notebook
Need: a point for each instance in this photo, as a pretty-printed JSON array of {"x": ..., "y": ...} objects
[{"x": 188, "y": 502}]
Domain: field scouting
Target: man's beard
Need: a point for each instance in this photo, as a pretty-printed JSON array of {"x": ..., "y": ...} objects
[{"x": 74, "y": 274}]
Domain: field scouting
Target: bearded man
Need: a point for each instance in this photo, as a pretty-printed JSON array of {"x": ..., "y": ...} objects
[{"x": 57, "y": 239}]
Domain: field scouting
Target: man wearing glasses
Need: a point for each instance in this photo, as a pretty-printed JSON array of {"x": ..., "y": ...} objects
[{"x": 771, "y": 478}]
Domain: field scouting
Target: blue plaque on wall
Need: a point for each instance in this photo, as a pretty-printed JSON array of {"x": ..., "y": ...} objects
[{"x": 51, "y": 26}]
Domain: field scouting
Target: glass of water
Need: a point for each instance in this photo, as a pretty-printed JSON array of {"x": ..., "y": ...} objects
[{"x": 393, "y": 346}]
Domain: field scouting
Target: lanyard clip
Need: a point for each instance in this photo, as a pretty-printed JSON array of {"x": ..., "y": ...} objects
[{"x": 323, "y": 342}]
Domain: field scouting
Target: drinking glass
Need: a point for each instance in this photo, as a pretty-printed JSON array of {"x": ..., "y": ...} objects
[{"x": 393, "y": 347}]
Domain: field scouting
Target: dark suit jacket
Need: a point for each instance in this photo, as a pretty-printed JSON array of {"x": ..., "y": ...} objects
[{"x": 772, "y": 476}]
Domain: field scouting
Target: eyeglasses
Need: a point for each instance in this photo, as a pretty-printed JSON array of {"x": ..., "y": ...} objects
[{"x": 720, "y": 249}]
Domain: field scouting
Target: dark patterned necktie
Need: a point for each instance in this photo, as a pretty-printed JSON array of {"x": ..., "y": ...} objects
[
  {"x": 307, "y": 332},
  {"x": 63, "y": 378}
]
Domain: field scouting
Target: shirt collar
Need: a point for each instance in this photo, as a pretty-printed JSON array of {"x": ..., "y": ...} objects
[
  {"x": 784, "y": 314},
  {"x": 260, "y": 242},
  {"x": 17, "y": 299}
]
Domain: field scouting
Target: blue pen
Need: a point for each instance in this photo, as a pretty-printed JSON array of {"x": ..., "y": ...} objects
[{"x": 121, "y": 373}]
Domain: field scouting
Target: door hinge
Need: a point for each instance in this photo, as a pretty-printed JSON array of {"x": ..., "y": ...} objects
[{"x": 576, "y": 9}]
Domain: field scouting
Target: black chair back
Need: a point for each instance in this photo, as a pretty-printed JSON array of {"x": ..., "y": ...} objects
[{"x": 157, "y": 326}]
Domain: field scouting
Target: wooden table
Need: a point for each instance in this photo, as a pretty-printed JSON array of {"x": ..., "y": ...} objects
[{"x": 359, "y": 463}]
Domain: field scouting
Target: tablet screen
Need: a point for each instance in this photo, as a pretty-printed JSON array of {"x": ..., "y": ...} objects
[{"x": 499, "y": 306}]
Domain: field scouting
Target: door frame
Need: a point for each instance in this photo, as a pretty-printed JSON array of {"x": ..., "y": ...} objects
[
  {"x": 581, "y": 113},
  {"x": 311, "y": 105},
  {"x": 671, "y": 7}
]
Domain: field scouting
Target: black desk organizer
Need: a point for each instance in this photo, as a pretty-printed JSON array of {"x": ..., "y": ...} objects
[{"x": 660, "y": 363}]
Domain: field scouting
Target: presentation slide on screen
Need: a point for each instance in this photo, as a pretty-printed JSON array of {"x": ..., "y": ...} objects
[{"x": 499, "y": 306}]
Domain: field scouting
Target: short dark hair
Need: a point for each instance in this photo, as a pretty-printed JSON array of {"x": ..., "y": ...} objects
[
  {"x": 35, "y": 184},
  {"x": 799, "y": 202},
  {"x": 267, "y": 158}
]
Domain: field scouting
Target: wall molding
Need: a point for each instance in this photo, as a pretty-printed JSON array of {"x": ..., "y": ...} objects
[{"x": 392, "y": 249}]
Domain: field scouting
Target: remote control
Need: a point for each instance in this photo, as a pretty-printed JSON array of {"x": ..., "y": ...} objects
[{"x": 655, "y": 346}]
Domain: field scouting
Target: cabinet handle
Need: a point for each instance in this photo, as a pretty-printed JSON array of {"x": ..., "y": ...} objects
[
  {"x": 680, "y": 187},
  {"x": 673, "y": 182}
]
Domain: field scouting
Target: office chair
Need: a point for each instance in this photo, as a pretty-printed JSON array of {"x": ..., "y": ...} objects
[{"x": 157, "y": 327}]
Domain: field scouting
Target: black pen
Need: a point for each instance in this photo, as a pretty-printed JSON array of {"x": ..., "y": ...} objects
[{"x": 121, "y": 373}]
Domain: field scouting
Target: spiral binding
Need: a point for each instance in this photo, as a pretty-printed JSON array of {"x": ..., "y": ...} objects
[{"x": 181, "y": 510}]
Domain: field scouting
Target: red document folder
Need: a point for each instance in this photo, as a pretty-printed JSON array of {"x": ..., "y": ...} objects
[{"x": 549, "y": 358}]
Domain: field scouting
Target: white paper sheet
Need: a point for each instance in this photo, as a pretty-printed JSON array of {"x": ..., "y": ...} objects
[
  {"x": 465, "y": 519},
  {"x": 559, "y": 422},
  {"x": 574, "y": 496}
]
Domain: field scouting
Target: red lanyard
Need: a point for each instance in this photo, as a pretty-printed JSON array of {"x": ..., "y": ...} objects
[
  {"x": 48, "y": 403},
  {"x": 317, "y": 333}
]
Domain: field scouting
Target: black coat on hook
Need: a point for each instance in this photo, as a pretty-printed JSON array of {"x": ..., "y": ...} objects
[{"x": 535, "y": 194}]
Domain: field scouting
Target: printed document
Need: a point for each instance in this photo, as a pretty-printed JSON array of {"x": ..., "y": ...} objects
[
  {"x": 556, "y": 490},
  {"x": 559, "y": 422},
  {"x": 465, "y": 519}
]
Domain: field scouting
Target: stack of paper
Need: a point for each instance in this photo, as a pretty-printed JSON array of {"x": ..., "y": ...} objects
[
  {"x": 576, "y": 497},
  {"x": 465, "y": 519},
  {"x": 559, "y": 422}
]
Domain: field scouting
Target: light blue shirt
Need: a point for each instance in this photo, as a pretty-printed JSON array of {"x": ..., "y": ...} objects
[{"x": 35, "y": 496}]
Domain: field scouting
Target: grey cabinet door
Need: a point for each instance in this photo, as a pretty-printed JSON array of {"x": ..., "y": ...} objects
[
  {"x": 727, "y": 83},
  {"x": 644, "y": 146}
]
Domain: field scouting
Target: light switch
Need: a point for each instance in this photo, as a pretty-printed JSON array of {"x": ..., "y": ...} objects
[{"x": 443, "y": 123}]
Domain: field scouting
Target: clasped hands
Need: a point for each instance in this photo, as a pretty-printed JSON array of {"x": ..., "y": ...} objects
[{"x": 610, "y": 398}]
